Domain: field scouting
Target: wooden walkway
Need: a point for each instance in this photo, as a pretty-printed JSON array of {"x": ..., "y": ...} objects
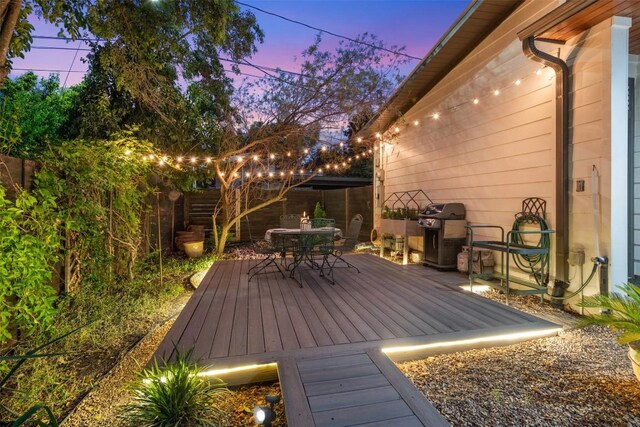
[
  {"x": 230, "y": 322},
  {"x": 362, "y": 388}
]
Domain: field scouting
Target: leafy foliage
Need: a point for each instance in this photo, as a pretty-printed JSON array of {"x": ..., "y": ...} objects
[
  {"x": 35, "y": 114},
  {"x": 101, "y": 189},
  {"x": 30, "y": 245},
  {"x": 175, "y": 395},
  {"x": 623, "y": 312}
]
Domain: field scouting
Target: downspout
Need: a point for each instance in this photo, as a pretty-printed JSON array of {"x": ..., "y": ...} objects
[{"x": 562, "y": 152}]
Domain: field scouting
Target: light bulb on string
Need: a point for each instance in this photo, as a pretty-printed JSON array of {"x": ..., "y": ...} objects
[
  {"x": 272, "y": 156},
  {"x": 344, "y": 164},
  {"x": 270, "y": 174},
  {"x": 150, "y": 156},
  {"x": 240, "y": 159},
  {"x": 320, "y": 170},
  {"x": 539, "y": 72},
  {"x": 517, "y": 82},
  {"x": 290, "y": 172},
  {"x": 179, "y": 159},
  {"x": 193, "y": 160},
  {"x": 378, "y": 135},
  {"x": 341, "y": 144},
  {"x": 416, "y": 123},
  {"x": 288, "y": 153},
  {"x": 208, "y": 160},
  {"x": 281, "y": 173},
  {"x": 235, "y": 174},
  {"x": 306, "y": 151},
  {"x": 476, "y": 101},
  {"x": 301, "y": 171},
  {"x": 436, "y": 116},
  {"x": 324, "y": 148},
  {"x": 255, "y": 158},
  {"x": 359, "y": 139},
  {"x": 127, "y": 152},
  {"x": 496, "y": 92},
  {"x": 259, "y": 174},
  {"x": 248, "y": 174},
  {"x": 396, "y": 129}
]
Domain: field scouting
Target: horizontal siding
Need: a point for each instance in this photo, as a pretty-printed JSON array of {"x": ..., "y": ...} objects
[{"x": 492, "y": 155}]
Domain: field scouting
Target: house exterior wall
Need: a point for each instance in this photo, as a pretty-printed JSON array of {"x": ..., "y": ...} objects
[
  {"x": 634, "y": 72},
  {"x": 493, "y": 154}
]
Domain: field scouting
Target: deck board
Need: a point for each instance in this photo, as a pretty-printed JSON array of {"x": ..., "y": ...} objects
[{"x": 327, "y": 339}]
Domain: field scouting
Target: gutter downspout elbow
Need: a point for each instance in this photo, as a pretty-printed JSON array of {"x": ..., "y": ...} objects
[{"x": 562, "y": 152}]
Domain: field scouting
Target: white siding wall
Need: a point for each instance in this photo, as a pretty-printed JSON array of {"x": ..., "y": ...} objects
[
  {"x": 634, "y": 72},
  {"x": 492, "y": 155}
]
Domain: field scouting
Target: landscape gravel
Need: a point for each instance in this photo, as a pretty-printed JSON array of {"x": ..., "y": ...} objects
[{"x": 581, "y": 377}]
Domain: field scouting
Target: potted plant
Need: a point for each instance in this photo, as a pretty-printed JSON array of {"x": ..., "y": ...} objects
[{"x": 621, "y": 312}]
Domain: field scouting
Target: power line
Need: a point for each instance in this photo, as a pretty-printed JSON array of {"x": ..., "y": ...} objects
[
  {"x": 328, "y": 32},
  {"x": 239, "y": 62}
]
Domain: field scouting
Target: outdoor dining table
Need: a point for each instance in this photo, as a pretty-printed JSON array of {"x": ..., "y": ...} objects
[{"x": 303, "y": 251}]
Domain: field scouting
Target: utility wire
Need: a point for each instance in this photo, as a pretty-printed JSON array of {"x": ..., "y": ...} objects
[
  {"x": 73, "y": 61},
  {"x": 328, "y": 32},
  {"x": 261, "y": 68}
]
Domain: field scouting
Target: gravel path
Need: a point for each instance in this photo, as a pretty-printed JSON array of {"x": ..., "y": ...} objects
[{"x": 580, "y": 378}]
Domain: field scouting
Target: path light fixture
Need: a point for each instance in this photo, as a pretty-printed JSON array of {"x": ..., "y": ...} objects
[{"x": 264, "y": 415}]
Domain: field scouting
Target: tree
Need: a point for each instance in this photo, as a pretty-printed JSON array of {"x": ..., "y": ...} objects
[
  {"x": 147, "y": 45},
  {"x": 35, "y": 114},
  {"x": 259, "y": 158}
]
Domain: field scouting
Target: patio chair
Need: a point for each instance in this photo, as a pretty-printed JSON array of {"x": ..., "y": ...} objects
[
  {"x": 290, "y": 221},
  {"x": 338, "y": 249},
  {"x": 270, "y": 253}
]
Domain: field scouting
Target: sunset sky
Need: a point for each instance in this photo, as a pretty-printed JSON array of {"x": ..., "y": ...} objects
[{"x": 415, "y": 24}]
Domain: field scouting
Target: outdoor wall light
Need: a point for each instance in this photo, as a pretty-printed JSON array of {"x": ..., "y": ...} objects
[{"x": 264, "y": 415}]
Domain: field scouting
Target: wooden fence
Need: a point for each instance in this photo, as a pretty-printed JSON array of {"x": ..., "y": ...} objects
[
  {"x": 341, "y": 204},
  {"x": 197, "y": 207}
]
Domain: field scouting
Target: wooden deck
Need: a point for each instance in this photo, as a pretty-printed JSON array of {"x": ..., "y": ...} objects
[{"x": 403, "y": 312}]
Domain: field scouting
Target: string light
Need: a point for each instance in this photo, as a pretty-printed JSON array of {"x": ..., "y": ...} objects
[
  {"x": 476, "y": 101},
  {"x": 378, "y": 135},
  {"x": 539, "y": 72},
  {"x": 359, "y": 139},
  {"x": 208, "y": 159},
  {"x": 306, "y": 151},
  {"x": 259, "y": 174},
  {"x": 517, "y": 82},
  {"x": 496, "y": 92},
  {"x": 324, "y": 148},
  {"x": 179, "y": 159},
  {"x": 288, "y": 153},
  {"x": 270, "y": 174},
  {"x": 193, "y": 160},
  {"x": 281, "y": 173},
  {"x": 248, "y": 174},
  {"x": 436, "y": 116},
  {"x": 272, "y": 156},
  {"x": 255, "y": 158},
  {"x": 127, "y": 152},
  {"x": 397, "y": 129},
  {"x": 416, "y": 123}
]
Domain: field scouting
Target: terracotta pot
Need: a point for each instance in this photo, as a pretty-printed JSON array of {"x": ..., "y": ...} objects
[
  {"x": 193, "y": 249},
  {"x": 635, "y": 363}
]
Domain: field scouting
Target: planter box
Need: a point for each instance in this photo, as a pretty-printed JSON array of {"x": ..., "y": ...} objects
[{"x": 408, "y": 229}]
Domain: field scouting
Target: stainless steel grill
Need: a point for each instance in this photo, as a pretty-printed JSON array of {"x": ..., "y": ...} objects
[{"x": 444, "y": 234}]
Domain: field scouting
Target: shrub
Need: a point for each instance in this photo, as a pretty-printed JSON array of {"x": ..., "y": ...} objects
[
  {"x": 318, "y": 212},
  {"x": 175, "y": 395}
]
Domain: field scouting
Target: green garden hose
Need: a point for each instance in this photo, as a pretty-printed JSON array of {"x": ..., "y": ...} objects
[{"x": 532, "y": 263}]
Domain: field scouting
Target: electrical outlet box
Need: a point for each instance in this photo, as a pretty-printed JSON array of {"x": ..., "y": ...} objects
[
  {"x": 576, "y": 258},
  {"x": 580, "y": 185}
]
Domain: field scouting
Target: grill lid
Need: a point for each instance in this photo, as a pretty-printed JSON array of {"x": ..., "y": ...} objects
[{"x": 444, "y": 211}]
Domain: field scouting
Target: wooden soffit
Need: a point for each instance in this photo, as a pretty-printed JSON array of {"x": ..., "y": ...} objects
[
  {"x": 577, "y": 16},
  {"x": 478, "y": 20}
]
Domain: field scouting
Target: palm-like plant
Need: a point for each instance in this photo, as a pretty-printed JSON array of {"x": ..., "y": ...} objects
[
  {"x": 175, "y": 395},
  {"x": 621, "y": 311}
]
